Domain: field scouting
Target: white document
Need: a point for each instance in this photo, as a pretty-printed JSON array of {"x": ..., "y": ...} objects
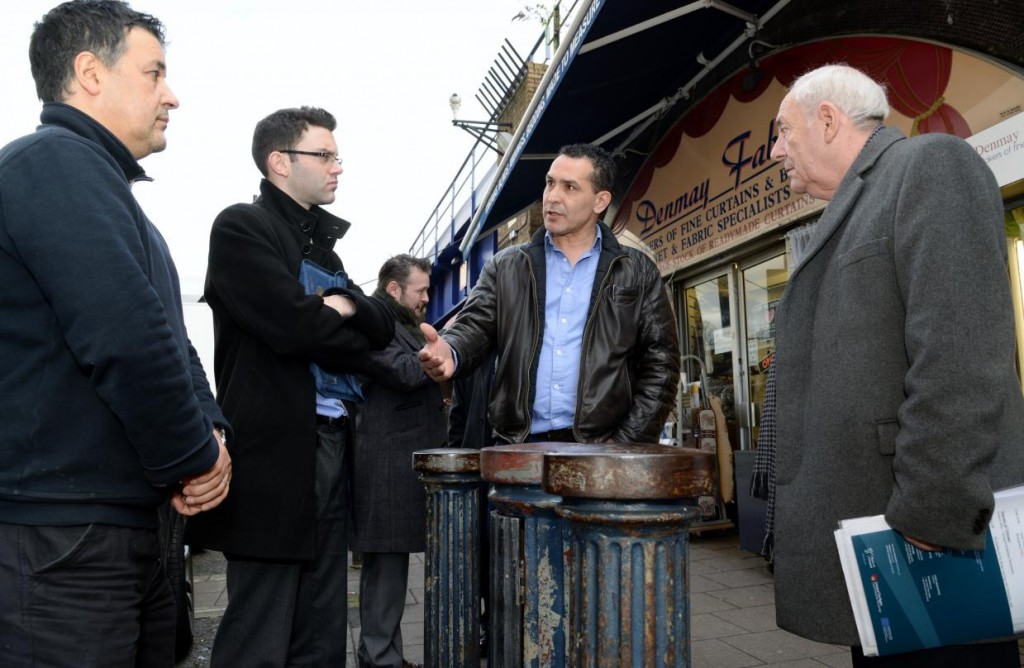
[{"x": 905, "y": 599}]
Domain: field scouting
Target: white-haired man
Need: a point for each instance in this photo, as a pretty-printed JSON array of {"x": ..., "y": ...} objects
[{"x": 895, "y": 387}]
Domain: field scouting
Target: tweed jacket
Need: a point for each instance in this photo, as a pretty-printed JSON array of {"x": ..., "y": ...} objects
[
  {"x": 403, "y": 413},
  {"x": 896, "y": 384}
]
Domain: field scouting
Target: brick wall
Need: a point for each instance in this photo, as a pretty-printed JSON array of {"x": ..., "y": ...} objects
[{"x": 520, "y": 228}]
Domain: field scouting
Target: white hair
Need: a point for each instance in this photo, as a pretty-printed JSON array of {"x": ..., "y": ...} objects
[{"x": 855, "y": 94}]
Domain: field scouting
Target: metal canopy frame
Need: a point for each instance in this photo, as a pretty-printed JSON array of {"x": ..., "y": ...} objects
[{"x": 576, "y": 45}]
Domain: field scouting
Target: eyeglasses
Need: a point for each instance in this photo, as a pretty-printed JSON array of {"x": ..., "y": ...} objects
[{"x": 324, "y": 156}]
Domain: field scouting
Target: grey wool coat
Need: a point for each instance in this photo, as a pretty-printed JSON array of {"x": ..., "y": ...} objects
[
  {"x": 403, "y": 412},
  {"x": 896, "y": 384}
]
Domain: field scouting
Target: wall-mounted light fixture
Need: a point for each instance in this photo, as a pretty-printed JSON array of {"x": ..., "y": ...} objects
[{"x": 493, "y": 134}]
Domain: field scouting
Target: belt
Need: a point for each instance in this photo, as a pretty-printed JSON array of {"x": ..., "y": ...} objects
[
  {"x": 553, "y": 436},
  {"x": 333, "y": 422}
]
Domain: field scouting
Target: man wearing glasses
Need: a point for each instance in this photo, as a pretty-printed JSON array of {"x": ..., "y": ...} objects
[{"x": 284, "y": 535}]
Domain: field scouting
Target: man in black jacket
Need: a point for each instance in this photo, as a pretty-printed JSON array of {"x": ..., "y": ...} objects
[
  {"x": 585, "y": 338},
  {"x": 105, "y": 411},
  {"x": 283, "y": 531}
]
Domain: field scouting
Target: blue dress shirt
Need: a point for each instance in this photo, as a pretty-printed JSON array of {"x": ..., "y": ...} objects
[{"x": 567, "y": 299}]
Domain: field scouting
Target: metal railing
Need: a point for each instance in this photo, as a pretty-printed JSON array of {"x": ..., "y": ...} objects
[
  {"x": 443, "y": 223},
  {"x": 459, "y": 203}
]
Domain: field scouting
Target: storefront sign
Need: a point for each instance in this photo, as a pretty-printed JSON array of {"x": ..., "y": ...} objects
[
  {"x": 1002, "y": 147},
  {"x": 711, "y": 184},
  {"x": 722, "y": 188}
]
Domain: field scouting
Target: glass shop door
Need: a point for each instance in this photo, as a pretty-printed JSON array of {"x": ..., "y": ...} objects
[
  {"x": 729, "y": 335},
  {"x": 764, "y": 280},
  {"x": 709, "y": 367},
  {"x": 728, "y": 326},
  {"x": 708, "y": 350}
]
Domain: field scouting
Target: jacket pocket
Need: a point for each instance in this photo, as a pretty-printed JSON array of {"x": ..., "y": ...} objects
[
  {"x": 60, "y": 548},
  {"x": 872, "y": 248},
  {"x": 887, "y": 431},
  {"x": 624, "y": 294}
]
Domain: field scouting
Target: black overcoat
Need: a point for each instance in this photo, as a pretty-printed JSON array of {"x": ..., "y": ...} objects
[
  {"x": 267, "y": 331},
  {"x": 403, "y": 413}
]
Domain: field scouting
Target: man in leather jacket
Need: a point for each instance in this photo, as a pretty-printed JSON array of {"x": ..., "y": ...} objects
[{"x": 585, "y": 336}]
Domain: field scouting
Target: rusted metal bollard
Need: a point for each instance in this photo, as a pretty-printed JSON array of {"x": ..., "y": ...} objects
[
  {"x": 527, "y": 606},
  {"x": 451, "y": 609},
  {"x": 627, "y": 512}
]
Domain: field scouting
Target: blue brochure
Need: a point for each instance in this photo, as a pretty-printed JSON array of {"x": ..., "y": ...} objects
[
  {"x": 906, "y": 599},
  {"x": 317, "y": 280}
]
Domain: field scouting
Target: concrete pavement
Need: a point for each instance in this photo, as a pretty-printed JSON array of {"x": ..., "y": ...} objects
[{"x": 732, "y": 611}]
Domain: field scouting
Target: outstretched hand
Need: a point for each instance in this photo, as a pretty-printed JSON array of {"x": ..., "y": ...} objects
[{"x": 436, "y": 356}]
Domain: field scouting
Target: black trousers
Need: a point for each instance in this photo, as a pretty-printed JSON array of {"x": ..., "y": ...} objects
[
  {"x": 88, "y": 596},
  {"x": 294, "y": 613},
  {"x": 383, "y": 584},
  {"x": 990, "y": 655}
]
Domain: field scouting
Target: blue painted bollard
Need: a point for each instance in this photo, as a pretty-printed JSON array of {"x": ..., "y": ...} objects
[
  {"x": 527, "y": 605},
  {"x": 451, "y": 609},
  {"x": 627, "y": 512}
]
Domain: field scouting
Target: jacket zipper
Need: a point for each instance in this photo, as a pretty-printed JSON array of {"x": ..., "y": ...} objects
[
  {"x": 587, "y": 329},
  {"x": 536, "y": 348}
]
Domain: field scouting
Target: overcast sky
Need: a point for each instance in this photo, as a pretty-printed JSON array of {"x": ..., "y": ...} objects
[{"x": 384, "y": 68}]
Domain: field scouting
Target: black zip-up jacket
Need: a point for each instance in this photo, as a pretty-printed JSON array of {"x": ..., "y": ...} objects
[
  {"x": 103, "y": 401},
  {"x": 629, "y": 365}
]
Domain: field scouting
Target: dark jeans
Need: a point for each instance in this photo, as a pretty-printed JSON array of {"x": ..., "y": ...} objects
[
  {"x": 85, "y": 596},
  {"x": 294, "y": 613},
  {"x": 990, "y": 655}
]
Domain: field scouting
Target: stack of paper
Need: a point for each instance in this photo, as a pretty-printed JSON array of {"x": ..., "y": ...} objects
[{"x": 906, "y": 599}]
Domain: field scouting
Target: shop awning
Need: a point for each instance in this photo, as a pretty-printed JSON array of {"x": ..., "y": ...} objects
[{"x": 622, "y": 69}]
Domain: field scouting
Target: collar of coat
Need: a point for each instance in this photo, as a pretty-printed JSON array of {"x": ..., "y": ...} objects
[
  {"x": 609, "y": 244},
  {"x": 848, "y": 191},
  {"x": 321, "y": 226},
  {"x": 403, "y": 315},
  {"x": 84, "y": 125}
]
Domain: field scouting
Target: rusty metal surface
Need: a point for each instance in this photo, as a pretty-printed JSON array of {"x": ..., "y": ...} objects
[
  {"x": 451, "y": 610},
  {"x": 629, "y": 591},
  {"x": 506, "y": 602},
  {"x": 630, "y": 472},
  {"x": 521, "y": 500},
  {"x": 545, "y": 598},
  {"x": 521, "y": 463},
  {"x": 631, "y": 516},
  {"x": 447, "y": 460},
  {"x": 528, "y": 605}
]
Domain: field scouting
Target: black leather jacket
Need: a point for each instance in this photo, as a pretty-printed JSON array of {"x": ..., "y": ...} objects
[{"x": 629, "y": 366}]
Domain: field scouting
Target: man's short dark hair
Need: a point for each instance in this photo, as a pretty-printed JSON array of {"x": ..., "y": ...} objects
[
  {"x": 282, "y": 130},
  {"x": 604, "y": 166},
  {"x": 98, "y": 26},
  {"x": 398, "y": 269}
]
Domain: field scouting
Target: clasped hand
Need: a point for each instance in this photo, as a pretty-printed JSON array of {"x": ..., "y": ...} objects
[{"x": 208, "y": 489}]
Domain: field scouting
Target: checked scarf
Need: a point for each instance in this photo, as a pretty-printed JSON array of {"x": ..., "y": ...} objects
[{"x": 762, "y": 484}]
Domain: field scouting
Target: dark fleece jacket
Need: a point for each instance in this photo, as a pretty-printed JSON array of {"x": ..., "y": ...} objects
[{"x": 103, "y": 401}]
